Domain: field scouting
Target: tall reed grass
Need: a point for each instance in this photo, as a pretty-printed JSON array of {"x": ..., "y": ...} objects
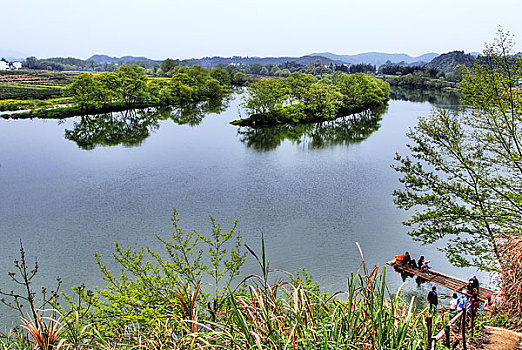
[{"x": 287, "y": 314}]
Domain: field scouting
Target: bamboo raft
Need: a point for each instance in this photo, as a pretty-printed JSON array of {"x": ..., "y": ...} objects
[{"x": 447, "y": 281}]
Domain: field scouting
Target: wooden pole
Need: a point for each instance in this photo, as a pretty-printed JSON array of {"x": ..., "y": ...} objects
[
  {"x": 464, "y": 314},
  {"x": 428, "y": 325},
  {"x": 447, "y": 331},
  {"x": 472, "y": 319}
]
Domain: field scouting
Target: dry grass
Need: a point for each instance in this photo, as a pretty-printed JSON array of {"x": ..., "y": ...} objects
[
  {"x": 45, "y": 335},
  {"x": 511, "y": 281}
]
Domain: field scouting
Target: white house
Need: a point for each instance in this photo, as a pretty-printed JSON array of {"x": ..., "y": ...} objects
[{"x": 5, "y": 65}]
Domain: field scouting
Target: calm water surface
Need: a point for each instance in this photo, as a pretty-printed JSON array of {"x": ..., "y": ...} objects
[{"x": 312, "y": 197}]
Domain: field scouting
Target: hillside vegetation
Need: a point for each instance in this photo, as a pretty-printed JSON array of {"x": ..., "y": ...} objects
[
  {"x": 448, "y": 62},
  {"x": 379, "y": 58}
]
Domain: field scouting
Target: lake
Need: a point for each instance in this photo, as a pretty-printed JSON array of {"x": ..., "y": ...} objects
[{"x": 67, "y": 190}]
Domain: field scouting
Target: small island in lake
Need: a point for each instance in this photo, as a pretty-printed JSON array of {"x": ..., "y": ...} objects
[{"x": 302, "y": 98}]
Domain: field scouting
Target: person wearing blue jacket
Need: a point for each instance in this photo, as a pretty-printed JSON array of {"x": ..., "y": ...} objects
[{"x": 462, "y": 301}]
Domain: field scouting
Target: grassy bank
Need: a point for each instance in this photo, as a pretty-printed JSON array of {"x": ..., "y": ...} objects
[
  {"x": 126, "y": 88},
  {"x": 289, "y": 314},
  {"x": 50, "y": 111},
  {"x": 16, "y": 105}
]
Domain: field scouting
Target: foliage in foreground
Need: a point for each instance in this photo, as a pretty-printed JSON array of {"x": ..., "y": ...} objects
[{"x": 159, "y": 301}]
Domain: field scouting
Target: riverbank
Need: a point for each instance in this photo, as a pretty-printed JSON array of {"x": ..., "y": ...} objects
[
  {"x": 419, "y": 81},
  {"x": 261, "y": 120},
  {"x": 36, "y": 93},
  {"x": 61, "y": 112}
]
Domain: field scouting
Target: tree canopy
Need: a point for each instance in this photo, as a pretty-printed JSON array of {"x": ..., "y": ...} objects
[
  {"x": 303, "y": 98},
  {"x": 131, "y": 87}
]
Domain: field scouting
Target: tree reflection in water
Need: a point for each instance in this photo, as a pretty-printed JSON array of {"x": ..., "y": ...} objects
[
  {"x": 129, "y": 128},
  {"x": 438, "y": 98},
  {"x": 194, "y": 114},
  {"x": 347, "y": 130}
]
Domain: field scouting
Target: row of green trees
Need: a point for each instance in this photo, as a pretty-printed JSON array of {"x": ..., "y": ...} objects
[
  {"x": 283, "y": 70},
  {"x": 228, "y": 74},
  {"x": 129, "y": 86},
  {"x": 394, "y": 69},
  {"x": 302, "y": 98},
  {"x": 76, "y": 64}
]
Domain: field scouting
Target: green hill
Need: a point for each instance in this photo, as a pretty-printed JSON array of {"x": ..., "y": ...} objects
[{"x": 447, "y": 62}]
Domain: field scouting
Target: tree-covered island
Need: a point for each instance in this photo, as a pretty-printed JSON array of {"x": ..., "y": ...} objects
[{"x": 302, "y": 98}]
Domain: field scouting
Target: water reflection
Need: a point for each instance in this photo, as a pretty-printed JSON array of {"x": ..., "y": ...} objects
[
  {"x": 438, "y": 98},
  {"x": 342, "y": 131},
  {"x": 191, "y": 115},
  {"x": 129, "y": 128}
]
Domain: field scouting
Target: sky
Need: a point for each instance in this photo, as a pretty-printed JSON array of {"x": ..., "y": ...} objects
[{"x": 197, "y": 28}]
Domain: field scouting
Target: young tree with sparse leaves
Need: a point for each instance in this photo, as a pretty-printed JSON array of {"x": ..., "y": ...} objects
[{"x": 463, "y": 177}]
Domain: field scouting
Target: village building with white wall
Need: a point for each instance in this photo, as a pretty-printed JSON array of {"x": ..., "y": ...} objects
[{"x": 5, "y": 65}]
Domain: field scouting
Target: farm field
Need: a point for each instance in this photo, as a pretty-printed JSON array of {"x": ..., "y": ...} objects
[{"x": 33, "y": 89}]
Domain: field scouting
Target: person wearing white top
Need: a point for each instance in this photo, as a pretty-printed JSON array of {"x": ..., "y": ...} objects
[{"x": 453, "y": 303}]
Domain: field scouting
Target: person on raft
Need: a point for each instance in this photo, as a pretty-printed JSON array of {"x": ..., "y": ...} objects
[
  {"x": 423, "y": 264},
  {"x": 405, "y": 259}
]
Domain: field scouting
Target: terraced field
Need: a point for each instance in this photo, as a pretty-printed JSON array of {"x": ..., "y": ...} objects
[
  {"x": 28, "y": 89},
  {"x": 28, "y": 77}
]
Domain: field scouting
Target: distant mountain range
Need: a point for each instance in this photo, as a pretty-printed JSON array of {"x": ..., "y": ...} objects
[
  {"x": 373, "y": 58},
  {"x": 444, "y": 62},
  {"x": 379, "y": 58},
  {"x": 109, "y": 59},
  {"x": 304, "y": 60},
  {"x": 214, "y": 61}
]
